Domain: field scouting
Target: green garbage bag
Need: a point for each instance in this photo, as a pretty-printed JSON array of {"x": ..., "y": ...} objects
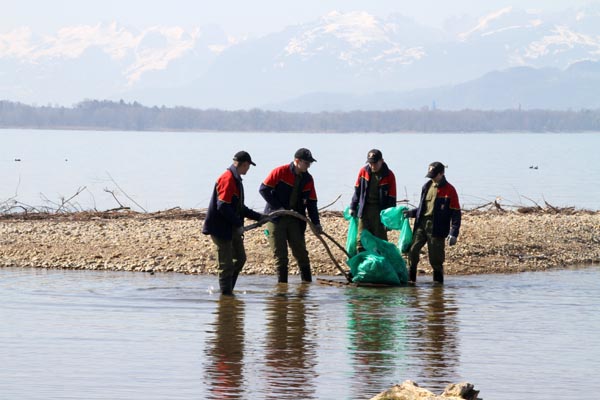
[
  {"x": 369, "y": 267},
  {"x": 380, "y": 263},
  {"x": 352, "y": 232},
  {"x": 393, "y": 218}
]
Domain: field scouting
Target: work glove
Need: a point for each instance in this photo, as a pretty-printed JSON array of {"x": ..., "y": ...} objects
[
  {"x": 352, "y": 213},
  {"x": 451, "y": 240},
  {"x": 406, "y": 213},
  {"x": 319, "y": 229}
]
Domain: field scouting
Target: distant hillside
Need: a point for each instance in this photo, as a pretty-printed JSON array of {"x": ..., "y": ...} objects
[
  {"x": 106, "y": 115},
  {"x": 576, "y": 87}
]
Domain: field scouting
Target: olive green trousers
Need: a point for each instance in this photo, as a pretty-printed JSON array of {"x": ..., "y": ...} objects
[
  {"x": 435, "y": 250},
  {"x": 289, "y": 231}
]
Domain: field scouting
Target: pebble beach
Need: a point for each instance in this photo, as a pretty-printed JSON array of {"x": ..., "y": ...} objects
[{"x": 491, "y": 241}]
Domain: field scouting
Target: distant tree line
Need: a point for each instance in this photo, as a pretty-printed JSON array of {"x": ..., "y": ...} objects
[{"x": 110, "y": 115}]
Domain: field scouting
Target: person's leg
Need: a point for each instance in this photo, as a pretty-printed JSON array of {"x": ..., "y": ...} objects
[
  {"x": 297, "y": 242},
  {"x": 373, "y": 222},
  {"x": 278, "y": 243},
  {"x": 419, "y": 240},
  {"x": 239, "y": 257},
  {"x": 437, "y": 254},
  {"x": 370, "y": 221},
  {"x": 225, "y": 264}
]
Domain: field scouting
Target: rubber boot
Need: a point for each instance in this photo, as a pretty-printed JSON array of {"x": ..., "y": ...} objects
[
  {"x": 225, "y": 284},
  {"x": 234, "y": 279},
  {"x": 438, "y": 276},
  {"x": 412, "y": 274},
  {"x": 282, "y": 274},
  {"x": 305, "y": 273}
]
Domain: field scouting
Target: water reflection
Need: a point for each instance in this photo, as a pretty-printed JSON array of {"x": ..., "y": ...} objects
[
  {"x": 435, "y": 337},
  {"x": 225, "y": 351},
  {"x": 290, "y": 345},
  {"x": 377, "y": 325}
]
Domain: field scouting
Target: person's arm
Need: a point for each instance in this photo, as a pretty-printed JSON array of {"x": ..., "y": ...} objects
[
  {"x": 391, "y": 200},
  {"x": 356, "y": 195},
  {"x": 267, "y": 190},
  {"x": 250, "y": 213},
  {"x": 226, "y": 190},
  {"x": 455, "y": 214},
  {"x": 311, "y": 204}
]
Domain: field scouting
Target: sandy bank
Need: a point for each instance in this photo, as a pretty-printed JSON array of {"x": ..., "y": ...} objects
[{"x": 172, "y": 241}]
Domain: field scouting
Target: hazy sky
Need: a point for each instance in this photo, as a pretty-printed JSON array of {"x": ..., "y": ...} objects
[{"x": 243, "y": 17}]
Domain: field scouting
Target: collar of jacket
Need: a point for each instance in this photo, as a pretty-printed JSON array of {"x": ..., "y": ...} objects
[
  {"x": 384, "y": 169},
  {"x": 235, "y": 173},
  {"x": 441, "y": 183}
]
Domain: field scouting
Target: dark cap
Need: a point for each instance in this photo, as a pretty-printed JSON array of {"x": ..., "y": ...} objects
[
  {"x": 434, "y": 169},
  {"x": 304, "y": 154},
  {"x": 243, "y": 156},
  {"x": 374, "y": 156}
]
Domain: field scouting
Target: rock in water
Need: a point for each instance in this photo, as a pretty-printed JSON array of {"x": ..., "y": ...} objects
[{"x": 410, "y": 390}]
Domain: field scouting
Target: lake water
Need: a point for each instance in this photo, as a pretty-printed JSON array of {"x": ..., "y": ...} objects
[
  {"x": 115, "y": 335},
  {"x": 160, "y": 170}
]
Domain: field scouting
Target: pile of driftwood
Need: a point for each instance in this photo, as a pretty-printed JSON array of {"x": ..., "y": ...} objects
[{"x": 536, "y": 208}]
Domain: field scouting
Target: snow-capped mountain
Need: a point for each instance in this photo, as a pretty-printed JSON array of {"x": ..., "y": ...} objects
[
  {"x": 102, "y": 61},
  {"x": 355, "y": 54}
]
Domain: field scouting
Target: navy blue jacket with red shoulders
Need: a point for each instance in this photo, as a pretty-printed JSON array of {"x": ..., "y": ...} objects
[
  {"x": 446, "y": 211},
  {"x": 386, "y": 189},
  {"x": 277, "y": 189},
  {"x": 225, "y": 211}
]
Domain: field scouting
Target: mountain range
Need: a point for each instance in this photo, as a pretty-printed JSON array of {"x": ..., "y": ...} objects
[{"x": 343, "y": 61}]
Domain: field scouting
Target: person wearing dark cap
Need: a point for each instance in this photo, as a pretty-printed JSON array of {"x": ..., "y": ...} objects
[
  {"x": 224, "y": 221},
  {"x": 291, "y": 187},
  {"x": 437, "y": 220},
  {"x": 374, "y": 191}
]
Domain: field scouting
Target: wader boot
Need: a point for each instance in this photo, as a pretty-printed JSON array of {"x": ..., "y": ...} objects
[
  {"x": 438, "y": 276},
  {"x": 305, "y": 273},
  {"x": 225, "y": 284},
  {"x": 412, "y": 274},
  {"x": 282, "y": 274},
  {"x": 234, "y": 279}
]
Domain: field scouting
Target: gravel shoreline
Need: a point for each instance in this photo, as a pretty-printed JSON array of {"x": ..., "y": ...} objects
[{"x": 171, "y": 241}]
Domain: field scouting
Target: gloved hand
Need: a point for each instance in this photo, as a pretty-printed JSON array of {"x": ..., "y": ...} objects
[
  {"x": 352, "y": 213},
  {"x": 319, "y": 229},
  {"x": 451, "y": 240},
  {"x": 406, "y": 213}
]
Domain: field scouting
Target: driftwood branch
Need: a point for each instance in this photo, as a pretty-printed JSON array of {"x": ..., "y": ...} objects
[
  {"x": 330, "y": 204},
  {"x": 125, "y": 194},
  {"x": 112, "y": 193},
  {"x": 64, "y": 202}
]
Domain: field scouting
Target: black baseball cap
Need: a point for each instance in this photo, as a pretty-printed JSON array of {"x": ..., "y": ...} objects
[
  {"x": 304, "y": 154},
  {"x": 434, "y": 169},
  {"x": 374, "y": 156},
  {"x": 243, "y": 156}
]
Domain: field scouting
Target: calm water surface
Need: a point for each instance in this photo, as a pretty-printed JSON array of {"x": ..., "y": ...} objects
[
  {"x": 160, "y": 170},
  {"x": 113, "y": 335}
]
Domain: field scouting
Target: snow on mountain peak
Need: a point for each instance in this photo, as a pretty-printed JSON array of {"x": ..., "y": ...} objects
[
  {"x": 484, "y": 22},
  {"x": 142, "y": 51},
  {"x": 561, "y": 40},
  {"x": 358, "y": 38}
]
